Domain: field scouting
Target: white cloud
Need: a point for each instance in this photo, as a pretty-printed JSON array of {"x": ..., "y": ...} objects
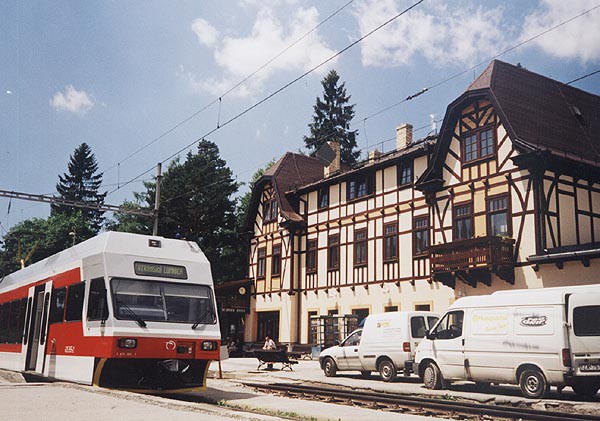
[
  {"x": 242, "y": 55},
  {"x": 440, "y": 34},
  {"x": 206, "y": 33},
  {"x": 72, "y": 100},
  {"x": 579, "y": 39}
]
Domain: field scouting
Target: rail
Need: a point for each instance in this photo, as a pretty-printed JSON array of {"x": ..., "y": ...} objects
[{"x": 417, "y": 405}]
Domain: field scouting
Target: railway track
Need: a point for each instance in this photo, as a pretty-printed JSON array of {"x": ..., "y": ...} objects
[{"x": 417, "y": 405}]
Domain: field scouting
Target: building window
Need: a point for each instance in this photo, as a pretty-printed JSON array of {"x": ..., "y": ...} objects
[
  {"x": 276, "y": 261},
  {"x": 360, "y": 247},
  {"x": 463, "y": 221},
  {"x": 359, "y": 187},
  {"x": 270, "y": 210},
  {"x": 421, "y": 236},
  {"x": 311, "y": 256},
  {"x": 333, "y": 252},
  {"x": 405, "y": 173},
  {"x": 323, "y": 198},
  {"x": 422, "y": 307},
  {"x": 389, "y": 309},
  {"x": 498, "y": 218},
  {"x": 361, "y": 314},
  {"x": 478, "y": 144},
  {"x": 261, "y": 263},
  {"x": 390, "y": 242}
]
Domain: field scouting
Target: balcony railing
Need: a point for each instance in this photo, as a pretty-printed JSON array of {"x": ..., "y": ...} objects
[{"x": 492, "y": 254}]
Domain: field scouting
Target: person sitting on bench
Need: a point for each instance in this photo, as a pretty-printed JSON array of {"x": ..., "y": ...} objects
[{"x": 269, "y": 345}]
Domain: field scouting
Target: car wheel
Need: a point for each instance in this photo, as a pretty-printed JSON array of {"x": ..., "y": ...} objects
[
  {"x": 365, "y": 374},
  {"x": 387, "y": 370},
  {"x": 533, "y": 384},
  {"x": 586, "y": 389},
  {"x": 432, "y": 378},
  {"x": 329, "y": 367}
]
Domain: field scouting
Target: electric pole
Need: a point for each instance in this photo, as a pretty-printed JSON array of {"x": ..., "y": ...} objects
[{"x": 157, "y": 198}]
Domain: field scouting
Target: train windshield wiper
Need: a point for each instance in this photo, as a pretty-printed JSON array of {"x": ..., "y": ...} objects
[
  {"x": 132, "y": 314},
  {"x": 200, "y": 319}
]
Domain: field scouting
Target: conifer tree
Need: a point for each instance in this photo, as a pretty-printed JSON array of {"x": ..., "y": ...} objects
[
  {"x": 81, "y": 183},
  {"x": 331, "y": 120}
]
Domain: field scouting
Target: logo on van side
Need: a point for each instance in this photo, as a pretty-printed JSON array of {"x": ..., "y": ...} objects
[{"x": 534, "y": 321}]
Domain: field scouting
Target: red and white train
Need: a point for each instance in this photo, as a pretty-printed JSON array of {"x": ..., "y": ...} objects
[{"x": 119, "y": 311}]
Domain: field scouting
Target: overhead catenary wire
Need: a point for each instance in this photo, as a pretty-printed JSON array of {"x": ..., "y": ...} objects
[
  {"x": 231, "y": 89},
  {"x": 279, "y": 90}
]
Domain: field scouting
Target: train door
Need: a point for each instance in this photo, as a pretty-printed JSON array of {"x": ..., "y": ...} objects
[{"x": 38, "y": 327}]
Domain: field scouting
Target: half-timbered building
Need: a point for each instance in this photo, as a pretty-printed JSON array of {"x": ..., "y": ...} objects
[{"x": 507, "y": 195}]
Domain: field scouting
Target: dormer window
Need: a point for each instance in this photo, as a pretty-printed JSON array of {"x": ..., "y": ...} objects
[
  {"x": 478, "y": 144},
  {"x": 359, "y": 186},
  {"x": 405, "y": 173},
  {"x": 270, "y": 210},
  {"x": 323, "y": 198}
]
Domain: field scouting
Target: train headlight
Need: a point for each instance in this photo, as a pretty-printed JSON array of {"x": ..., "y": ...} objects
[
  {"x": 127, "y": 343},
  {"x": 209, "y": 345}
]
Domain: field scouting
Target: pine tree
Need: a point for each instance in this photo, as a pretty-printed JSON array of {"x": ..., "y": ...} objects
[
  {"x": 81, "y": 183},
  {"x": 331, "y": 120},
  {"x": 197, "y": 204}
]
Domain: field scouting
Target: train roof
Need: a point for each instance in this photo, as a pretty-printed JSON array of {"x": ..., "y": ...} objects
[
  {"x": 110, "y": 242},
  {"x": 520, "y": 297}
]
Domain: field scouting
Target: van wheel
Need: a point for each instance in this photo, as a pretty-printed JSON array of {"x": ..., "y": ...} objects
[
  {"x": 432, "y": 378},
  {"x": 387, "y": 370},
  {"x": 329, "y": 367},
  {"x": 586, "y": 389},
  {"x": 533, "y": 383},
  {"x": 365, "y": 374}
]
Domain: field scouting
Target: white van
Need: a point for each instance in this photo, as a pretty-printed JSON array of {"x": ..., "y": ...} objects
[
  {"x": 385, "y": 344},
  {"x": 533, "y": 338}
]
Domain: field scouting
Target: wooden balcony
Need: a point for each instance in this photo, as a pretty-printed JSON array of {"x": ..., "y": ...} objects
[{"x": 473, "y": 260}]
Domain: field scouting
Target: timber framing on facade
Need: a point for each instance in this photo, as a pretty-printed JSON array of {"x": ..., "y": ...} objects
[{"x": 507, "y": 195}]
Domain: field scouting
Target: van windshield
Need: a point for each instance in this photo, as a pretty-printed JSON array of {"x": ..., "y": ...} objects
[
  {"x": 586, "y": 321},
  {"x": 162, "y": 301}
]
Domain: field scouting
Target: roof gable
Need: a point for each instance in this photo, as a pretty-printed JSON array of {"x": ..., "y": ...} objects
[{"x": 538, "y": 113}]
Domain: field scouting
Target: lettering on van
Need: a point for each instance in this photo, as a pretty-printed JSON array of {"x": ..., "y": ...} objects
[
  {"x": 534, "y": 321},
  {"x": 70, "y": 349}
]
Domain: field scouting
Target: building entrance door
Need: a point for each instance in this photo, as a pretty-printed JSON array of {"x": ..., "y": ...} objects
[{"x": 268, "y": 325}]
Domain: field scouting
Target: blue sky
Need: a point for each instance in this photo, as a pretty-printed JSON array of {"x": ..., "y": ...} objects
[{"x": 118, "y": 74}]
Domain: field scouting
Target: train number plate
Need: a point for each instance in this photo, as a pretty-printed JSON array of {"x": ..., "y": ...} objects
[{"x": 589, "y": 367}]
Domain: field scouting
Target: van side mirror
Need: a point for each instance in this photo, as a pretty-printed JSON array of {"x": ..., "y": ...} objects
[
  {"x": 336, "y": 342},
  {"x": 430, "y": 335}
]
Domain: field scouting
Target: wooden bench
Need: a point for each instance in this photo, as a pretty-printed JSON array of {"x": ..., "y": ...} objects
[
  {"x": 300, "y": 351},
  {"x": 272, "y": 356}
]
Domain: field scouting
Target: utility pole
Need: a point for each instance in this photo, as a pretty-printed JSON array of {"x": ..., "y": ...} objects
[{"x": 157, "y": 198}]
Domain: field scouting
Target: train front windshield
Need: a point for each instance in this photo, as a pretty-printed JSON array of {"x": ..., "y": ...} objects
[{"x": 162, "y": 301}]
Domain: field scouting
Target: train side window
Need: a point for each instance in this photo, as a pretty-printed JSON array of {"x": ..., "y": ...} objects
[
  {"x": 4, "y": 309},
  {"x": 75, "y": 302},
  {"x": 22, "y": 313},
  {"x": 44, "y": 319},
  {"x": 13, "y": 324},
  {"x": 97, "y": 303},
  {"x": 57, "y": 305}
]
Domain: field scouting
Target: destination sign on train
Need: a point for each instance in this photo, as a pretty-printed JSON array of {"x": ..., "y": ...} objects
[{"x": 157, "y": 269}]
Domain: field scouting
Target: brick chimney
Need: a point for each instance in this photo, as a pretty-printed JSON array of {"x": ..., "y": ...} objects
[
  {"x": 403, "y": 136},
  {"x": 336, "y": 164}
]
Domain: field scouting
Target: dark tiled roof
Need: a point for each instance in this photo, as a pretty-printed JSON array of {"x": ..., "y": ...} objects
[
  {"x": 542, "y": 112},
  {"x": 291, "y": 171}
]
